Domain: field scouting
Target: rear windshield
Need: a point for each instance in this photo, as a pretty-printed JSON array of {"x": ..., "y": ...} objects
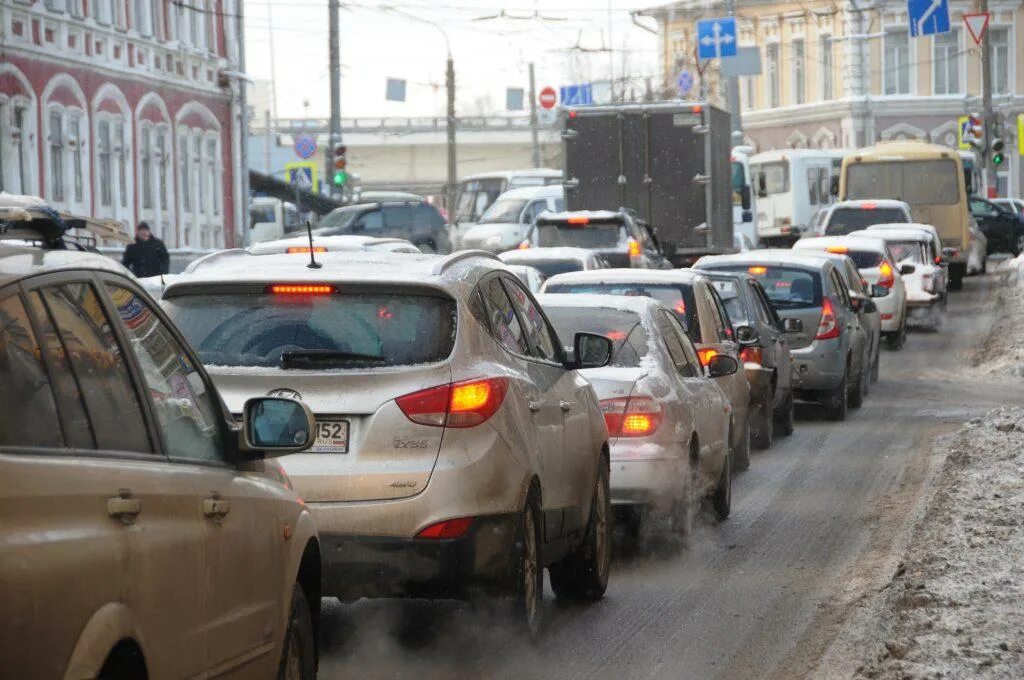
[
  {"x": 349, "y": 330},
  {"x": 865, "y": 259},
  {"x": 261, "y": 214},
  {"x": 908, "y": 251},
  {"x": 846, "y": 220},
  {"x": 591, "y": 236},
  {"x": 786, "y": 287},
  {"x": 504, "y": 210},
  {"x": 926, "y": 182},
  {"x": 551, "y": 267},
  {"x": 624, "y": 329},
  {"x": 729, "y": 292},
  {"x": 677, "y": 297}
]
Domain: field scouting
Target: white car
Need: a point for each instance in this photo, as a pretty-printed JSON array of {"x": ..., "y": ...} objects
[
  {"x": 934, "y": 250},
  {"x": 925, "y": 280},
  {"x": 530, "y": 276},
  {"x": 504, "y": 225},
  {"x": 847, "y": 216},
  {"x": 552, "y": 261},
  {"x": 668, "y": 424},
  {"x": 878, "y": 267}
]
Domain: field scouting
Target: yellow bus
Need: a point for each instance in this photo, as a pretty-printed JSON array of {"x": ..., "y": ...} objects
[{"x": 928, "y": 177}]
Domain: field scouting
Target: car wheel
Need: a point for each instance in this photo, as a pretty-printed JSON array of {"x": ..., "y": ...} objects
[
  {"x": 897, "y": 339},
  {"x": 741, "y": 452},
  {"x": 858, "y": 391},
  {"x": 529, "y": 593},
  {"x": 685, "y": 507},
  {"x": 835, "y": 401},
  {"x": 1018, "y": 244},
  {"x": 956, "y": 280},
  {"x": 583, "y": 573},
  {"x": 721, "y": 497},
  {"x": 298, "y": 659},
  {"x": 786, "y": 417},
  {"x": 984, "y": 265},
  {"x": 762, "y": 430}
]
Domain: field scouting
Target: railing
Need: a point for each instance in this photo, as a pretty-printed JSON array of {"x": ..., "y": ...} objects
[{"x": 396, "y": 125}]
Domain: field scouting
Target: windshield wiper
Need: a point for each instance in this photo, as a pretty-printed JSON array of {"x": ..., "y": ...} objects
[{"x": 316, "y": 358}]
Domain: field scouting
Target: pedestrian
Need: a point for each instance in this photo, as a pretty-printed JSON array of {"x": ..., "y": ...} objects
[{"x": 148, "y": 255}]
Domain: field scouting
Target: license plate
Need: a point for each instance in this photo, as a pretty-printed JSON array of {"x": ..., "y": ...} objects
[{"x": 331, "y": 437}]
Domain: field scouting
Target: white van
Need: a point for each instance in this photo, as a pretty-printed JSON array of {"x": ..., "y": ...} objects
[
  {"x": 744, "y": 203},
  {"x": 477, "y": 193},
  {"x": 791, "y": 186},
  {"x": 271, "y": 219},
  {"x": 503, "y": 226}
]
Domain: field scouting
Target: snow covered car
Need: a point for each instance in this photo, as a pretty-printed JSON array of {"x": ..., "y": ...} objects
[
  {"x": 504, "y": 225},
  {"x": 934, "y": 252},
  {"x": 925, "y": 280},
  {"x": 552, "y": 261},
  {"x": 844, "y": 217},
  {"x": 668, "y": 424}
]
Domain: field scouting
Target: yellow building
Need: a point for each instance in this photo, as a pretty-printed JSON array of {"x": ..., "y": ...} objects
[{"x": 846, "y": 74}]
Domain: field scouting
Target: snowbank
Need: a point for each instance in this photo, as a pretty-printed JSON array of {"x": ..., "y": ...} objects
[{"x": 1002, "y": 354}]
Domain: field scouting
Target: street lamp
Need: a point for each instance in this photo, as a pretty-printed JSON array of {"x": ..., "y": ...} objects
[{"x": 453, "y": 178}]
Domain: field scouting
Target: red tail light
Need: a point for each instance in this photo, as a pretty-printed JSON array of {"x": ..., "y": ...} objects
[
  {"x": 886, "y": 275},
  {"x": 828, "y": 327},
  {"x": 578, "y": 220},
  {"x": 305, "y": 249},
  {"x": 461, "y": 404},
  {"x": 634, "y": 248},
  {"x": 300, "y": 289},
  {"x": 631, "y": 416},
  {"x": 449, "y": 528},
  {"x": 706, "y": 355},
  {"x": 752, "y": 355},
  {"x": 525, "y": 245}
]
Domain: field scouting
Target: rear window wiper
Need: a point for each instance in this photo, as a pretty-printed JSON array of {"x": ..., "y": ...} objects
[{"x": 316, "y": 358}]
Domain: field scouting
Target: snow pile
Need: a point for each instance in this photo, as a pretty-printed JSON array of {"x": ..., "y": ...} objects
[
  {"x": 955, "y": 606},
  {"x": 1002, "y": 354}
]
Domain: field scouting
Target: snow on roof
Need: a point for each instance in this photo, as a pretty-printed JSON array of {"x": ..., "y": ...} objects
[
  {"x": 911, "y": 234},
  {"x": 872, "y": 243},
  {"x": 878, "y": 202},
  {"x": 341, "y": 242},
  {"x": 543, "y": 254},
  {"x": 622, "y": 303},
  {"x": 593, "y": 215},
  {"x": 779, "y": 256},
  {"x": 686, "y": 276},
  {"x": 526, "y": 193},
  {"x": 904, "y": 225}
]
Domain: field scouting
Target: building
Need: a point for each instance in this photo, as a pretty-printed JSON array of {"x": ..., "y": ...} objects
[
  {"x": 126, "y": 109},
  {"x": 848, "y": 74}
]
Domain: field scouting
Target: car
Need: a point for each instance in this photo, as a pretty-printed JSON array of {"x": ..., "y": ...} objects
[
  {"x": 504, "y": 225},
  {"x": 416, "y": 221},
  {"x": 863, "y": 295},
  {"x": 668, "y": 424},
  {"x": 147, "y": 532},
  {"x": 764, "y": 353},
  {"x": 977, "y": 256},
  {"x": 458, "y": 451},
  {"x": 874, "y": 261},
  {"x": 697, "y": 306},
  {"x": 531, "y": 277},
  {"x": 1014, "y": 205},
  {"x": 616, "y": 236},
  {"x": 830, "y": 353},
  {"x": 935, "y": 252},
  {"x": 844, "y": 217},
  {"x": 924, "y": 278},
  {"x": 551, "y": 261},
  {"x": 1003, "y": 228}
]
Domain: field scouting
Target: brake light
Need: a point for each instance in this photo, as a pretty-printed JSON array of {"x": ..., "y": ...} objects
[
  {"x": 525, "y": 245},
  {"x": 631, "y": 416},
  {"x": 572, "y": 114},
  {"x": 449, "y": 528},
  {"x": 828, "y": 327},
  {"x": 840, "y": 250},
  {"x": 680, "y": 307},
  {"x": 938, "y": 260},
  {"x": 697, "y": 108},
  {"x": 869, "y": 205},
  {"x": 305, "y": 249},
  {"x": 300, "y": 289},
  {"x": 634, "y": 248},
  {"x": 706, "y": 355},
  {"x": 752, "y": 355},
  {"x": 757, "y": 271},
  {"x": 461, "y": 404},
  {"x": 886, "y": 275},
  {"x": 578, "y": 219}
]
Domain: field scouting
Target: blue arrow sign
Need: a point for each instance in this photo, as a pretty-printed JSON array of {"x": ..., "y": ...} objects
[
  {"x": 928, "y": 17},
  {"x": 576, "y": 95},
  {"x": 716, "y": 38},
  {"x": 685, "y": 82}
]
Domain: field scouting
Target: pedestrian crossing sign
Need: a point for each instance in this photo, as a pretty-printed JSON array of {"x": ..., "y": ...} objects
[{"x": 302, "y": 174}]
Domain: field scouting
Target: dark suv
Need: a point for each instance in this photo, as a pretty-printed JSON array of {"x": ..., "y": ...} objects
[{"x": 415, "y": 221}]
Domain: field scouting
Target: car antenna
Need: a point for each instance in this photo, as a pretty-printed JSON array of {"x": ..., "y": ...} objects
[{"x": 313, "y": 264}]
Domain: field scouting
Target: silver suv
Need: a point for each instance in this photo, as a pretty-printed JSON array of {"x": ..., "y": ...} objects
[{"x": 457, "y": 448}]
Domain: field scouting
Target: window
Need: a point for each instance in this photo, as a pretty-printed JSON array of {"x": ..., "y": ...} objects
[
  {"x": 197, "y": 160},
  {"x": 193, "y": 24},
  {"x": 28, "y": 416},
  {"x": 719, "y": 316},
  {"x": 371, "y": 221},
  {"x": 184, "y": 406},
  {"x": 541, "y": 338},
  {"x": 211, "y": 169},
  {"x": 812, "y": 185},
  {"x": 21, "y": 180},
  {"x": 772, "y": 74},
  {"x": 947, "y": 62},
  {"x": 103, "y": 153},
  {"x": 55, "y": 140},
  {"x": 504, "y": 324},
  {"x": 89, "y": 349},
  {"x": 896, "y": 69},
  {"x": 141, "y": 17},
  {"x": 75, "y": 144},
  {"x": 772, "y": 178},
  {"x": 146, "y": 167},
  {"x": 121, "y": 150},
  {"x": 3, "y": 151},
  {"x": 161, "y": 163},
  {"x": 827, "y": 77},
  {"x": 824, "y": 186},
  {"x": 999, "y": 40},
  {"x": 689, "y": 367},
  {"x": 748, "y": 93},
  {"x": 799, "y": 73},
  {"x": 624, "y": 329},
  {"x": 184, "y": 181},
  {"x": 57, "y": 5}
]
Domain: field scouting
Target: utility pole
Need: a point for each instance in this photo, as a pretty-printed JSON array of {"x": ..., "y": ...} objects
[
  {"x": 453, "y": 172},
  {"x": 334, "y": 59},
  {"x": 268, "y": 135},
  {"x": 533, "y": 119},
  {"x": 732, "y": 90},
  {"x": 243, "y": 126},
  {"x": 988, "y": 115}
]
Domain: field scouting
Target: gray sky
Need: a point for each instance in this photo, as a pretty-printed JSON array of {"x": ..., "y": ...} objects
[{"x": 490, "y": 55}]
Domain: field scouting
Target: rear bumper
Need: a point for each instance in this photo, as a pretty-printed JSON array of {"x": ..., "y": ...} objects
[
  {"x": 379, "y": 566},
  {"x": 820, "y": 366},
  {"x": 760, "y": 379},
  {"x": 646, "y": 481}
]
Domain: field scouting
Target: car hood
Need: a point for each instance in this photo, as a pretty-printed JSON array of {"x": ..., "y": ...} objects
[{"x": 499, "y": 235}]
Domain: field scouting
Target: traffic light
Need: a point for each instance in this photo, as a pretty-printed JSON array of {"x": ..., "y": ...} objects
[
  {"x": 998, "y": 148},
  {"x": 975, "y": 132},
  {"x": 340, "y": 165}
]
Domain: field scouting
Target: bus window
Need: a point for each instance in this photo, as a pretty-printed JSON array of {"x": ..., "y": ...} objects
[{"x": 773, "y": 178}]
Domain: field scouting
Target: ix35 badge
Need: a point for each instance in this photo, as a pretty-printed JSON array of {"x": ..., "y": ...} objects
[{"x": 410, "y": 443}]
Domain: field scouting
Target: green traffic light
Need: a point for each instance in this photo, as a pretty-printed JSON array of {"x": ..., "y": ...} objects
[
  {"x": 998, "y": 158},
  {"x": 340, "y": 177}
]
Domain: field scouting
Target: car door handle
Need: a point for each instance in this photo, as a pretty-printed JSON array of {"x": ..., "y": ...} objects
[
  {"x": 124, "y": 506},
  {"x": 565, "y": 405},
  {"x": 216, "y": 507},
  {"x": 535, "y": 406}
]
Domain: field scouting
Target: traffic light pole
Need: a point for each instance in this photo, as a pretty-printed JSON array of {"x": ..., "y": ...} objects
[
  {"x": 334, "y": 59},
  {"x": 533, "y": 119},
  {"x": 988, "y": 117},
  {"x": 453, "y": 172}
]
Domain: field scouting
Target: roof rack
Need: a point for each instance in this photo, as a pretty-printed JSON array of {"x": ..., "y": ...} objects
[
  {"x": 212, "y": 257},
  {"x": 459, "y": 256}
]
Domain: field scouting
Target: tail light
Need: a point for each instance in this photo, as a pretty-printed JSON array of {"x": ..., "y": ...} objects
[
  {"x": 305, "y": 249},
  {"x": 706, "y": 355},
  {"x": 828, "y": 327},
  {"x": 886, "y": 275},
  {"x": 449, "y": 528},
  {"x": 634, "y": 248},
  {"x": 839, "y": 250},
  {"x": 300, "y": 289},
  {"x": 752, "y": 355},
  {"x": 578, "y": 220},
  {"x": 631, "y": 416},
  {"x": 525, "y": 245},
  {"x": 461, "y": 404}
]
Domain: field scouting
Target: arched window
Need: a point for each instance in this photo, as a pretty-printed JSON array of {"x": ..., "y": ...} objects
[
  {"x": 17, "y": 146},
  {"x": 65, "y": 157}
]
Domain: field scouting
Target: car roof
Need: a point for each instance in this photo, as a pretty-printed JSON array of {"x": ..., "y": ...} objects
[
  {"x": 775, "y": 256},
  {"x": 527, "y": 193},
  {"x": 900, "y": 234},
  {"x": 340, "y": 242},
  {"x": 620, "y": 303},
  {"x": 665, "y": 276},
  {"x": 869, "y": 243},
  {"x": 511, "y": 174},
  {"x": 555, "y": 253},
  {"x": 591, "y": 215},
  {"x": 879, "y": 203},
  {"x": 18, "y": 261},
  {"x": 889, "y": 226}
]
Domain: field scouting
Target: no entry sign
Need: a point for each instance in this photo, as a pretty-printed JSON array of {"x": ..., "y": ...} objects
[{"x": 548, "y": 97}]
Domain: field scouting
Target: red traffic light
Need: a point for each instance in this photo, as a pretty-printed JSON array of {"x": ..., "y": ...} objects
[{"x": 340, "y": 149}]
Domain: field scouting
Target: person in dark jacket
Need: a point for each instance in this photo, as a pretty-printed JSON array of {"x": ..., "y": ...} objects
[{"x": 148, "y": 255}]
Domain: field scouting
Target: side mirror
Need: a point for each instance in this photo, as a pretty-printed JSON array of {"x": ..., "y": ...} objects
[
  {"x": 722, "y": 365},
  {"x": 968, "y": 183},
  {"x": 746, "y": 335},
  {"x": 833, "y": 185},
  {"x": 591, "y": 350},
  {"x": 907, "y": 269},
  {"x": 745, "y": 198},
  {"x": 792, "y": 326},
  {"x": 879, "y": 291},
  {"x": 276, "y": 427},
  {"x": 869, "y": 306},
  {"x": 856, "y": 301}
]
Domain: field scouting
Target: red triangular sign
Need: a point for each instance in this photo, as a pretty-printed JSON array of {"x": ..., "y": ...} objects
[{"x": 976, "y": 24}]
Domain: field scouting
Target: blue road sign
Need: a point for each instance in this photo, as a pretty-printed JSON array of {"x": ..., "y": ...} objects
[
  {"x": 305, "y": 146},
  {"x": 576, "y": 95},
  {"x": 685, "y": 82},
  {"x": 301, "y": 176},
  {"x": 928, "y": 17},
  {"x": 716, "y": 38}
]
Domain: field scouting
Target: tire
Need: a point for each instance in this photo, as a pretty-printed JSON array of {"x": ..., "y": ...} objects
[
  {"x": 785, "y": 418},
  {"x": 527, "y": 611},
  {"x": 721, "y": 496},
  {"x": 762, "y": 425},
  {"x": 895, "y": 341},
  {"x": 741, "y": 453},
  {"x": 956, "y": 277},
  {"x": 859, "y": 390},
  {"x": 1018, "y": 245},
  {"x": 835, "y": 401},
  {"x": 583, "y": 573},
  {"x": 685, "y": 507},
  {"x": 298, "y": 658},
  {"x": 984, "y": 265}
]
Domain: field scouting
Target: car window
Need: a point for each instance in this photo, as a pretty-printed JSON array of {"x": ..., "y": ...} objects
[
  {"x": 426, "y": 217},
  {"x": 824, "y": 186},
  {"x": 728, "y": 290},
  {"x": 624, "y": 329},
  {"x": 839, "y": 288},
  {"x": 812, "y": 186},
  {"x": 677, "y": 297},
  {"x": 843, "y": 221},
  {"x": 542, "y": 339},
  {"x": 369, "y": 221},
  {"x": 723, "y": 329},
  {"x": 92, "y": 354},
  {"x": 786, "y": 287},
  {"x": 398, "y": 216},
  {"x": 855, "y": 278},
  {"x": 686, "y": 360},
  {"x": 761, "y": 306},
  {"x": 184, "y": 405},
  {"x": 28, "y": 414},
  {"x": 504, "y": 324},
  {"x": 533, "y": 209}
]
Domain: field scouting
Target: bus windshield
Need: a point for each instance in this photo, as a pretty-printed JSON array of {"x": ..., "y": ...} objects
[
  {"x": 929, "y": 182},
  {"x": 773, "y": 177}
]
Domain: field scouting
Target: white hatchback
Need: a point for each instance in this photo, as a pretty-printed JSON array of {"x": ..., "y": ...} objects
[{"x": 922, "y": 273}]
